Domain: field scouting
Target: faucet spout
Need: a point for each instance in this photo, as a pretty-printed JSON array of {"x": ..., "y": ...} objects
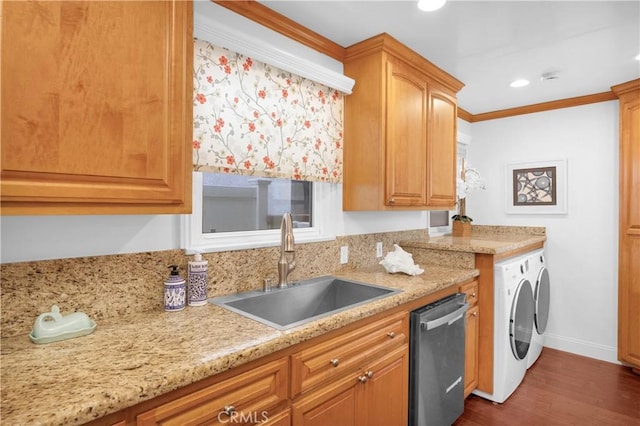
[{"x": 287, "y": 245}]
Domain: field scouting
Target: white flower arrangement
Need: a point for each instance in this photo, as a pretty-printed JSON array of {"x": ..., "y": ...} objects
[{"x": 469, "y": 181}]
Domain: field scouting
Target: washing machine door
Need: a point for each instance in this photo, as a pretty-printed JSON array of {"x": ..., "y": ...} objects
[
  {"x": 521, "y": 320},
  {"x": 542, "y": 296}
]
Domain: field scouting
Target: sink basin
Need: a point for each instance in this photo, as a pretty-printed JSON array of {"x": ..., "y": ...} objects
[{"x": 303, "y": 302}]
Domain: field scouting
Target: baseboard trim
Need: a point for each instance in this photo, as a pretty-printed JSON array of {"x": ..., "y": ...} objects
[{"x": 582, "y": 347}]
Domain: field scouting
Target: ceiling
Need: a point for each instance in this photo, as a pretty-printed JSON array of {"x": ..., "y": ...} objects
[{"x": 589, "y": 45}]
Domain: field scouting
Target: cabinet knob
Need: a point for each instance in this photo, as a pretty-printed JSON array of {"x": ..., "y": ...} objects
[
  {"x": 228, "y": 410},
  {"x": 392, "y": 201},
  {"x": 473, "y": 294},
  {"x": 391, "y": 334},
  {"x": 474, "y": 314},
  {"x": 366, "y": 376},
  {"x": 334, "y": 362}
]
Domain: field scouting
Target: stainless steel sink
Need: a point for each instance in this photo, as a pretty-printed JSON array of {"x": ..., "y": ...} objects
[{"x": 303, "y": 301}]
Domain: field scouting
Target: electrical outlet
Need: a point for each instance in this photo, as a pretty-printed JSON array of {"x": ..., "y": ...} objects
[
  {"x": 379, "y": 249},
  {"x": 344, "y": 254}
]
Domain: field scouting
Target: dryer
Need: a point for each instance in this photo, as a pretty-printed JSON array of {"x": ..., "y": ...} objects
[
  {"x": 512, "y": 326},
  {"x": 541, "y": 298}
]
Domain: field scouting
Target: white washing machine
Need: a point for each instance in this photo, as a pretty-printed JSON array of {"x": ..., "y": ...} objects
[
  {"x": 541, "y": 298},
  {"x": 512, "y": 327}
]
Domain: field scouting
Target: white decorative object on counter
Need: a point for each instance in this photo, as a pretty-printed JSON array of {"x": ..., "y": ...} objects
[
  {"x": 53, "y": 326},
  {"x": 399, "y": 260}
]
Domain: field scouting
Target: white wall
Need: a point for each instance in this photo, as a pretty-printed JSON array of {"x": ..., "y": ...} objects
[
  {"x": 582, "y": 245},
  {"x": 27, "y": 238}
]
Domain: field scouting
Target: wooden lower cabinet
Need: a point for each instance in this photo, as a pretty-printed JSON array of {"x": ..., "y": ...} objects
[
  {"x": 374, "y": 395},
  {"x": 253, "y": 397},
  {"x": 283, "y": 418},
  {"x": 472, "y": 337},
  {"x": 357, "y": 376},
  {"x": 471, "y": 350}
]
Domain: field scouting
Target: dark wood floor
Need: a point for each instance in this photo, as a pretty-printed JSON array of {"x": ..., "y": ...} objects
[{"x": 563, "y": 389}]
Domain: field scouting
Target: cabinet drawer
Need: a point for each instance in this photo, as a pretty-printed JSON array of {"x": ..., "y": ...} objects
[
  {"x": 341, "y": 354},
  {"x": 244, "y": 399},
  {"x": 471, "y": 290}
]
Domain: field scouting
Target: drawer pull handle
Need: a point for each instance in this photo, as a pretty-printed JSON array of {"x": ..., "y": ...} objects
[
  {"x": 228, "y": 410},
  {"x": 335, "y": 362},
  {"x": 366, "y": 376},
  {"x": 391, "y": 334}
]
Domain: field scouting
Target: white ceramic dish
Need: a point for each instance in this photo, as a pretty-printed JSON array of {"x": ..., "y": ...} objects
[{"x": 63, "y": 336}]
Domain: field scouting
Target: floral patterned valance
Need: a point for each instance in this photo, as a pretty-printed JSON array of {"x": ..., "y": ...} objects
[{"x": 254, "y": 119}]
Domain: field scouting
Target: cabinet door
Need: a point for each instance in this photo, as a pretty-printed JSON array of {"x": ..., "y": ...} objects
[
  {"x": 629, "y": 225},
  {"x": 405, "y": 135},
  {"x": 385, "y": 395},
  {"x": 471, "y": 351},
  {"x": 333, "y": 405},
  {"x": 441, "y": 149},
  {"x": 96, "y": 107}
]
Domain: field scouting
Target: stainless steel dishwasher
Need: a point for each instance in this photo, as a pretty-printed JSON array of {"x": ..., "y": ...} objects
[{"x": 436, "y": 365}]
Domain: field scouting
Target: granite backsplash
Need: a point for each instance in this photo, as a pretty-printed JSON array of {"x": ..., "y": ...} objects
[{"x": 110, "y": 286}]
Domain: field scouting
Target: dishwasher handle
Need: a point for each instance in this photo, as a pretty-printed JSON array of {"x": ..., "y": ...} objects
[{"x": 447, "y": 319}]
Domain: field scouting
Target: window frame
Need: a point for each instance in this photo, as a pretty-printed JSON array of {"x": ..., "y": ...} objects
[
  {"x": 435, "y": 231},
  {"x": 193, "y": 240}
]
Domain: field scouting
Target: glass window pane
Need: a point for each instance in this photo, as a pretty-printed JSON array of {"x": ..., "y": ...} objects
[
  {"x": 233, "y": 203},
  {"x": 438, "y": 218}
]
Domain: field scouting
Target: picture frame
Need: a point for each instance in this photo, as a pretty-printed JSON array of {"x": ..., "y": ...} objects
[{"x": 538, "y": 187}]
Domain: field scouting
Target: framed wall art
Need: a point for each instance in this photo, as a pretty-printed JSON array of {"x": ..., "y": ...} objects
[{"x": 536, "y": 187}]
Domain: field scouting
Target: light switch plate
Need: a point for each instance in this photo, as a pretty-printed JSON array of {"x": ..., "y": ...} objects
[
  {"x": 344, "y": 254},
  {"x": 379, "y": 249}
]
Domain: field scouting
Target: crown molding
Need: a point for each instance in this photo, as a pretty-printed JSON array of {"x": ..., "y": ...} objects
[
  {"x": 627, "y": 87},
  {"x": 465, "y": 115},
  {"x": 544, "y": 106}
]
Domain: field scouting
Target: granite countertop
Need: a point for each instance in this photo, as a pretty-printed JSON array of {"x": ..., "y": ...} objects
[
  {"x": 485, "y": 239},
  {"x": 141, "y": 356}
]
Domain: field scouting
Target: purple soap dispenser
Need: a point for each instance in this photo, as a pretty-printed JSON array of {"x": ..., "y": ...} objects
[{"x": 175, "y": 291}]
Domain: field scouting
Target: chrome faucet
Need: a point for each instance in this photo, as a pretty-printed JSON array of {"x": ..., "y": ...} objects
[{"x": 285, "y": 266}]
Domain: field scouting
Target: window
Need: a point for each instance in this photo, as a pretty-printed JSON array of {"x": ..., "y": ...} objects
[
  {"x": 440, "y": 222},
  {"x": 233, "y": 212},
  {"x": 232, "y": 203}
]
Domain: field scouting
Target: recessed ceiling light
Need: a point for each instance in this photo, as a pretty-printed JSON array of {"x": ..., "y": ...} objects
[
  {"x": 519, "y": 83},
  {"x": 430, "y": 5},
  {"x": 638, "y": 57}
]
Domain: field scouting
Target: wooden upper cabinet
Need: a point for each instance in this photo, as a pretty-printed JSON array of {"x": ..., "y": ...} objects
[
  {"x": 406, "y": 132},
  {"x": 441, "y": 148},
  {"x": 400, "y": 129},
  {"x": 96, "y": 107}
]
